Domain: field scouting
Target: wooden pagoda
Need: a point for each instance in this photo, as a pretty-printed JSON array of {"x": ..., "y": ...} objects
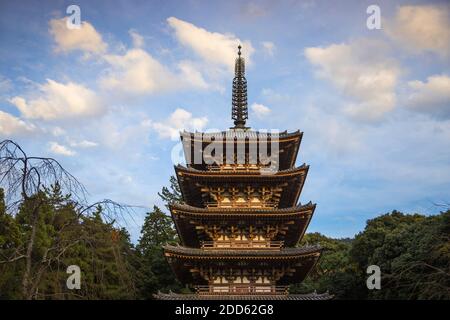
[{"x": 239, "y": 225}]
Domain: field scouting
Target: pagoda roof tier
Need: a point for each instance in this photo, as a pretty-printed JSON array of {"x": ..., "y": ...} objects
[
  {"x": 227, "y": 254},
  {"x": 193, "y": 296},
  {"x": 289, "y": 144},
  {"x": 192, "y": 180},
  {"x": 190, "y": 220},
  {"x": 297, "y": 262}
]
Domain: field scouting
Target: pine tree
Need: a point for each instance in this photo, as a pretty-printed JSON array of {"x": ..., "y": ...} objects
[{"x": 157, "y": 230}]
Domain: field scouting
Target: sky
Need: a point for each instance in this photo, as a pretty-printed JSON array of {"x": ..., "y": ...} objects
[{"x": 108, "y": 99}]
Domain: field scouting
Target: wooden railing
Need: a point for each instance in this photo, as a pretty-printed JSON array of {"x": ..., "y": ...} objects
[
  {"x": 242, "y": 244},
  {"x": 235, "y": 167},
  {"x": 243, "y": 289},
  {"x": 245, "y": 204}
]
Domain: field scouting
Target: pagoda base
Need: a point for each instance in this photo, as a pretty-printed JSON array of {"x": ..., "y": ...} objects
[{"x": 194, "y": 296}]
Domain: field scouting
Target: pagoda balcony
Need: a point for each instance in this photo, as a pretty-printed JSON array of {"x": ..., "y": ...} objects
[
  {"x": 242, "y": 204},
  {"x": 242, "y": 244},
  {"x": 241, "y": 289},
  {"x": 236, "y": 167}
]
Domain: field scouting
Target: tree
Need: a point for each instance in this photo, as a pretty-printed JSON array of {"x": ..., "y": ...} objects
[
  {"x": 413, "y": 253},
  {"x": 45, "y": 221},
  {"x": 334, "y": 272},
  {"x": 171, "y": 194},
  {"x": 157, "y": 230},
  {"x": 10, "y": 240}
]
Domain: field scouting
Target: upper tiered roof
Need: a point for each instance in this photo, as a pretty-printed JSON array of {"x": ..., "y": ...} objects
[{"x": 288, "y": 144}]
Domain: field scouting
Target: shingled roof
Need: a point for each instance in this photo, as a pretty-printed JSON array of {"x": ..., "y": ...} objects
[{"x": 177, "y": 296}]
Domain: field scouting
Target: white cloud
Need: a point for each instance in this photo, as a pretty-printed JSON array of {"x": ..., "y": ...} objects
[
  {"x": 58, "y": 131},
  {"x": 213, "y": 47},
  {"x": 61, "y": 150},
  {"x": 432, "y": 96},
  {"x": 59, "y": 101},
  {"x": 179, "y": 120},
  {"x": 11, "y": 126},
  {"x": 269, "y": 48},
  {"x": 83, "y": 144},
  {"x": 260, "y": 110},
  {"x": 137, "y": 72},
  {"x": 86, "y": 38},
  {"x": 138, "y": 40},
  {"x": 191, "y": 76},
  {"x": 360, "y": 71},
  {"x": 422, "y": 28}
]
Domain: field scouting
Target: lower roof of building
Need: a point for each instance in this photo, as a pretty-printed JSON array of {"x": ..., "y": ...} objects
[
  {"x": 240, "y": 210},
  {"x": 193, "y": 296},
  {"x": 193, "y": 253}
]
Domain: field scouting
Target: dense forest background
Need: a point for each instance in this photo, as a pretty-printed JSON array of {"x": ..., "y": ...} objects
[{"x": 44, "y": 228}]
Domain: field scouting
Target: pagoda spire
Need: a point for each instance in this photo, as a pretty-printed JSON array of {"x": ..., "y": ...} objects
[{"x": 239, "y": 112}]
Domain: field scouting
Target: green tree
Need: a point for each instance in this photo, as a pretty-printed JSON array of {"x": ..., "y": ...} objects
[
  {"x": 172, "y": 193},
  {"x": 413, "y": 253},
  {"x": 11, "y": 240},
  {"x": 157, "y": 275},
  {"x": 334, "y": 272}
]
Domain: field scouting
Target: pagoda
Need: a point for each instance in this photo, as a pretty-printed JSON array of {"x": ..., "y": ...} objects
[{"x": 240, "y": 221}]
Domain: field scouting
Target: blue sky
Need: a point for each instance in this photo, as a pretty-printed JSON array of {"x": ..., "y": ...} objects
[{"x": 108, "y": 99}]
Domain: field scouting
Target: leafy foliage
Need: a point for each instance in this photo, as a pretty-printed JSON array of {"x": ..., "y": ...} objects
[
  {"x": 412, "y": 251},
  {"x": 157, "y": 275},
  {"x": 64, "y": 238},
  {"x": 171, "y": 194}
]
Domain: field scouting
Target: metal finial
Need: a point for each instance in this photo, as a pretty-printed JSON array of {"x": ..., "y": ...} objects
[{"x": 239, "y": 112}]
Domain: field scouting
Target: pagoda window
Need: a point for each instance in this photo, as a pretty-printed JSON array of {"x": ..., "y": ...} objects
[
  {"x": 220, "y": 280},
  {"x": 225, "y": 202},
  {"x": 262, "y": 280},
  {"x": 255, "y": 200}
]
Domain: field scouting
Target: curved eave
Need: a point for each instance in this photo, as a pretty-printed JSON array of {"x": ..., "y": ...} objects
[
  {"x": 193, "y": 296},
  {"x": 282, "y": 136},
  {"x": 182, "y": 170},
  {"x": 288, "y": 142},
  {"x": 229, "y": 254},
  {"x": 189, "y": 177},
  {"x": 215, "y": 211},
  {"x": 186, "y": 218},
  {"x": 184, "y": 261}
]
